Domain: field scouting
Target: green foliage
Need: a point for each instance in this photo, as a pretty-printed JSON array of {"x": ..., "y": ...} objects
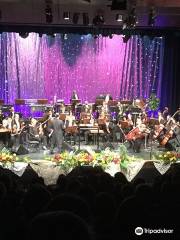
[{"x": 153, "y": 102}]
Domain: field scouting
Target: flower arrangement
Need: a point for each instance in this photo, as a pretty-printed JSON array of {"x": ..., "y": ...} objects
[
  {"x": 68, "y": 161},
  {"x": 6, "y": 157},
  {"x": 168, "y": 157}
]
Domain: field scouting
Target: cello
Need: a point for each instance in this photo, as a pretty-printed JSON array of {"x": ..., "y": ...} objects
[{"x": 170, "y": 132}]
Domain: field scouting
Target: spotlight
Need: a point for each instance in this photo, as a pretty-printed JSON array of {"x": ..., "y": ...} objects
[
  {"x": 66, "y": 15},
  {"x": 119, "y": 18},
  {"x": 24, "y": 34},
  {"x": 152, "y": 17},
  {"x": 85, "y": 19},
  {"x": 75, "y": 18},
  {"x": 48, "y": 13}
]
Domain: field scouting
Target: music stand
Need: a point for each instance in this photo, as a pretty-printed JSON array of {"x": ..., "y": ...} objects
[{"x": 75, "y": 101}]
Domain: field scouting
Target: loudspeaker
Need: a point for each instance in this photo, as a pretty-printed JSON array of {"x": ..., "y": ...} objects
[{"x": 21, "y": 150}]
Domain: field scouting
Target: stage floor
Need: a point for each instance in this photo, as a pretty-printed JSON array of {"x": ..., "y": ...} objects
[{"x": 145, "y": 153}]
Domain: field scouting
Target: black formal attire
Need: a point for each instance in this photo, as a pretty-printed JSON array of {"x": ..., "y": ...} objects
[
  {"x": 33, "y": 135},
  {"x": 57, "y": 127},
  {"x": 2, "y": 117}
]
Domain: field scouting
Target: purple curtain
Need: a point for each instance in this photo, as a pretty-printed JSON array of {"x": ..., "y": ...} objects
[{"x": 41, "y": 67}]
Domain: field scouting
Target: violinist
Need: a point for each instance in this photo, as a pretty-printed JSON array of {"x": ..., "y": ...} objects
[
  {"x": 45, "y": 124},
  {"x": 74, "y": 95},
  {"x": 174, "y": 141},
  {"x": 36, "y": 133},
  {"x": 165, "y": 113},
  {"x": 1, "y": 117},
  {"x": 71, "y": 127},
  {"x": 15, "y": 131},
  {"x": 161, "y": 117}
]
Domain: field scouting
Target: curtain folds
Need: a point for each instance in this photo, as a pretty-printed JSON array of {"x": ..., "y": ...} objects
[{"x": 41, "y": 67}]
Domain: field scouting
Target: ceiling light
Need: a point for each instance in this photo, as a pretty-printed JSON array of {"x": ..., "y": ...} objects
[
  {"x": 66, "y": 15},
  {"x": 119, "y": 18}
]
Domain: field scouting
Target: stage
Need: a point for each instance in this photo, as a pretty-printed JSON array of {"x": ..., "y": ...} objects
[{"x": 141, "y": 165}]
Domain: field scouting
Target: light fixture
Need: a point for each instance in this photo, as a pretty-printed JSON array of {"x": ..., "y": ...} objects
[
  {"x": 66, "y": 15},
  {"x": 85, "y": 19},
  {"x": 119, "y": 18},
  {"x": 48, "y": 14},
  {"x": 75, "y": 18}
]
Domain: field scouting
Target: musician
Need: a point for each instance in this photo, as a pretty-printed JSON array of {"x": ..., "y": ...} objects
[
  {"x": 161, "y": 117},
  {"x": 62, "y": 108},
  {"x": 177, "y": 116},
  {"x": 136, "y": 135},
  {"x": 56, "y": 128},
  {"x": 15, "y": 130},
  {"x": 46, "y": 122},
  {"x": 165, "y": 113},
  {"x": 12, "y": 113},
  {"x": 174, "y": 140},
  {"x": 86, "y": 107},
  {"x": 5, "y": 130},
  {"x": 129, "y": 120},
  {"x": 74, "y": 95},
  {"x": 105, "y": 107},
  {"x": 71, "y": 128},
  {"x": 36, "y": 133},
  {"x": 1, "y": 116}
]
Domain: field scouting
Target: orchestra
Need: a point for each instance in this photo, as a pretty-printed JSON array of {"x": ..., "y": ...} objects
[{"x": 122, "y": 126}]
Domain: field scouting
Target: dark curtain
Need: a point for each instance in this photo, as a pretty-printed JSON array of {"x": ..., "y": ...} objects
[{"x": 170, "y": 88}]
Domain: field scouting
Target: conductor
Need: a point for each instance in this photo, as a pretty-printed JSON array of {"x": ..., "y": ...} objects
[{"x": 56, "y": 128}]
